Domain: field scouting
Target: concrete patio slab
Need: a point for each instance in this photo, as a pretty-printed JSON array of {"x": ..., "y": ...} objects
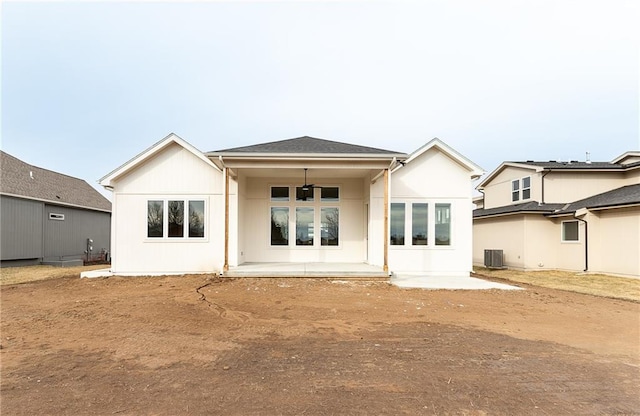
[{"x": 450, "y": 283}]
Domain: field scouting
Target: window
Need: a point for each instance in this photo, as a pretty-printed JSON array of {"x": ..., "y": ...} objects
[
  {"x": 57, "y": 217},
  {"x": 167, "y": 218},
  {"x": 570, "y": 231},
  {"x": 304, "y": 226},
  {"x": 196, "y": 219},
  {"x": 526, "y": 188},
  {"x": 329, "y": 194},
  {"x": 397, "y": 224},
  {"x": 419, "y": 224},
  {"x": 515, "y": 190},
  {"x": 279, "y": 226},
  {"x": 304, "y": 194},
  {"x": 155, "y": 218},
  {"x": 176, "y": 218},
  {"x": 329, "y": 226},
  {"x": 443, "y": 224},
  {"x": 279, "y": 193}
]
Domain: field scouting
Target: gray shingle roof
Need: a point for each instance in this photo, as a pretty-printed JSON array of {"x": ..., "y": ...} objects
[
  {"x": 574, "y": 165},
  {"x": 531, "y": 206},
  {"x": 625, "y": 195},
  {"x": 306, "y": 144},
  {"x": 31, "y": 182}
]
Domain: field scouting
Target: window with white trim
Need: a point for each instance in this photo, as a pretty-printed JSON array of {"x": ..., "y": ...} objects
[
  {"x": 397, "y": 219},
  {"x": 526, "y": 188},
  {"x": 429, "y": 226},
  {"x": 443, "y": 224},
  {"x": 175, "y": 218},
  {"x": 521, "y": 189},
  {"x": 570, "y": 231},
  {"x": 312, "y": 214}
]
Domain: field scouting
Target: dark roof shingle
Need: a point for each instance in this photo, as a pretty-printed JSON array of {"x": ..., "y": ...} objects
[
  {"x": 626, "y": 195},
  {"x": 574, "y": 165},
  {"x": 308, "y": 144},
  {"x": 21, "y": 179},
  {"x": 531, "y": 206}
]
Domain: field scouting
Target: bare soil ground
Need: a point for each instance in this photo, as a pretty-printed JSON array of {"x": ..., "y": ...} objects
[{"x": 202, "y": 345}]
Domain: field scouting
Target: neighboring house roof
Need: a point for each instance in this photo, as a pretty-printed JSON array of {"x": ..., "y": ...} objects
[
  {"x": 633, "y": 154},
  {"x": 304, "y": 146},
  {"x": 476, "y": 171},
  {"x": 626, "y": 195},
  {"x": 23, "y": 180},
  {"x": 524, "y": 208},
  {"x": 136, "y": 161},
  {"x": 539, "y": 166}
]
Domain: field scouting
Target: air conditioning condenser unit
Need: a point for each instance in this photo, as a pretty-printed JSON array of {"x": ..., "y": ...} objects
[{"x": 494, "y": 259}]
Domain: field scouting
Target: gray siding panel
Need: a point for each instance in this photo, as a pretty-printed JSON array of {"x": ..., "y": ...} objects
[
  {"x": 67, "y": 239},
  {"x": 20, "y": 228}
]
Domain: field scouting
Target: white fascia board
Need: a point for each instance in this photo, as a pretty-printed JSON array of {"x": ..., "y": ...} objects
[
  {"x": 107, "y": 180},
  {"x": 475, "y": 170},
  {"x": 504, "y": 165},
  {"x": 308, "y": 156}
]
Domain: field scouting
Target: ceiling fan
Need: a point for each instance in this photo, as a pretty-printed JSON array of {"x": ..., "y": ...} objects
[{"x": 307, "y": 188}]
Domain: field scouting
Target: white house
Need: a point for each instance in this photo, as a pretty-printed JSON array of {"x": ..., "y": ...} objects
[{"x": 177, "y": 210}]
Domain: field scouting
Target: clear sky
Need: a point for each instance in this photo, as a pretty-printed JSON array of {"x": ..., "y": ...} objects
[{"x": 88, "y": 85}]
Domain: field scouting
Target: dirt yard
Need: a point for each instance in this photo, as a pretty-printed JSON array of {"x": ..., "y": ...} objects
[{"x": 199, "y": 345}]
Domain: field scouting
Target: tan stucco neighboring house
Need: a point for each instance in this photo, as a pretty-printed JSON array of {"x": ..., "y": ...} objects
[
  {"x": 578, "y": 216},
  {"x": 296, "y": 201}
]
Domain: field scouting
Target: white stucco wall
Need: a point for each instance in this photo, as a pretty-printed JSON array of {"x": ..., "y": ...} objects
[{"x": 175, "y": 173}]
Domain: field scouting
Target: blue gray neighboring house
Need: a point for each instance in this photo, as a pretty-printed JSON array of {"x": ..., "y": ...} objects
[{"x": 50, "y": 218}]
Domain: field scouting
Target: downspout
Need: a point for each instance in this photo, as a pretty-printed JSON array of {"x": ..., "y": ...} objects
[
  {"x": 586, "y": 242},
  {"x": 546, "y": 172}
]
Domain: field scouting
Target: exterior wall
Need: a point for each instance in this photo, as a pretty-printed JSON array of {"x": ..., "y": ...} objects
[
  {"x": 257, "y": 223},
  {"x": 540, "y": 240},
  {"x": 175, "y": 173},
  {"x": 21, "y": 221},
  {"x": 614, "y": 241},
  {"x": 65, "y": 240},
  {"x": 497, "y": 193},
  {"x": 563, "y": 187},
  {"x": 434, "y": 178},
  {"x": 500, "y": 233},
  {"x": 632, "y": 177},
  {"x": 28, "y": 233}
]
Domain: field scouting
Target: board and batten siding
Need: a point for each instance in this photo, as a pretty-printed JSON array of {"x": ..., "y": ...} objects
[
  {"x": 173, "y": 174},
  {"x": 22, "y": 230},
  {"x": 67, "y": 239},
  {"x": 434, "y": 178}
]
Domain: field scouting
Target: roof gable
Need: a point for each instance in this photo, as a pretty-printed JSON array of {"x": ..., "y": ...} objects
[
  {"x": 107, "y": 180},
  {"x": 435, "y": 143},
  {"x": 555, "y": 165},
  {"x": 304, "y": 145},
  {"x": 23, "y": 180}
]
